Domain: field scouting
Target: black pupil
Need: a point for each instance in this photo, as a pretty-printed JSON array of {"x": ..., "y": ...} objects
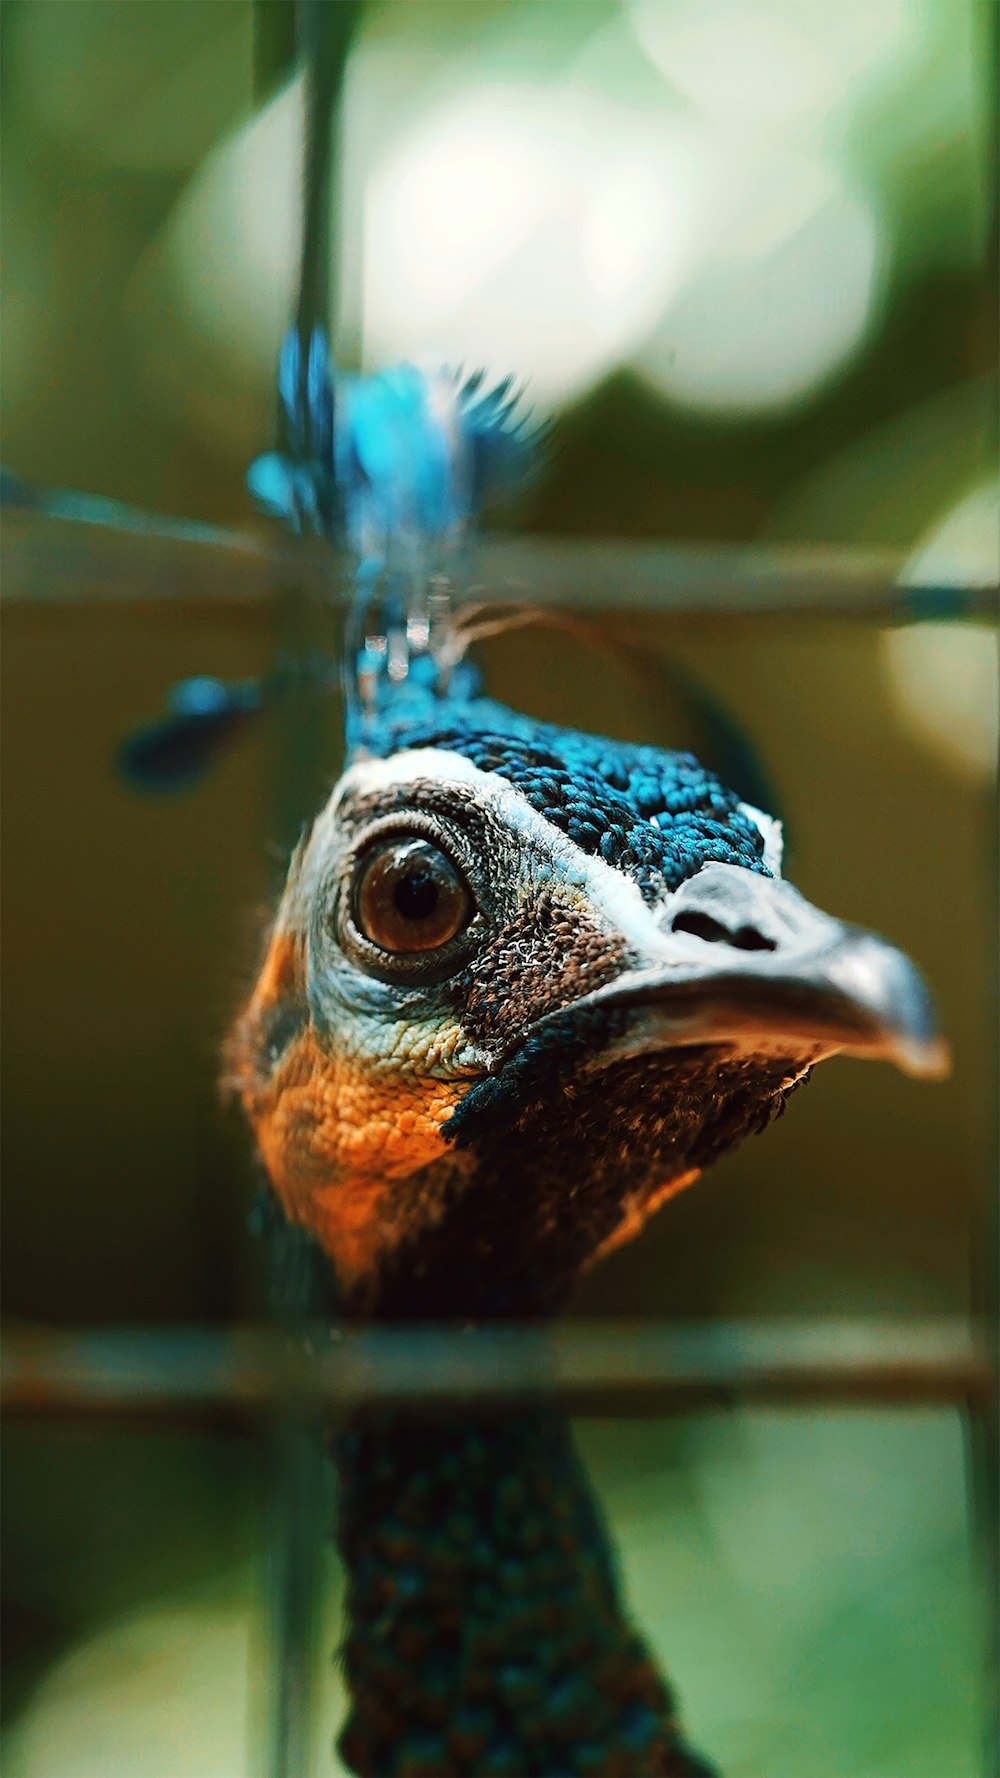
[{"x": 416, "y": 895}]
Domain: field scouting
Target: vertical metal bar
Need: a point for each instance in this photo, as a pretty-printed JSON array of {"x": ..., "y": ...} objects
[
  {"x": 324, "y": 32},
  {"x": 983, "y": 1416},
  {"x": 314, "y": 35},
  {"x": 298, "y": 1510},
  {"x": 305, "y": 625}
]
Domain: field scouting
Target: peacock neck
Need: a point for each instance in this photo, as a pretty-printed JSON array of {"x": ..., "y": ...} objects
[{"x": 485, "y": 1633}]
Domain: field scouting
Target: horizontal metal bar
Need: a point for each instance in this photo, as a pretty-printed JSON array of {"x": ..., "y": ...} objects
[
  {"x": 688, "y": 580},
  {"x": 54, "y": 554},
  {"x": 603, "y": 1366}
]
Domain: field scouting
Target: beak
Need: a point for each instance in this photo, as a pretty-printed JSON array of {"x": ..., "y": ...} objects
[{"x": 744, "y": 962}]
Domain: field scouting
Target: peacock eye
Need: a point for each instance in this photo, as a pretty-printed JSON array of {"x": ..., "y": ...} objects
[{"x": 410, "y": 897}]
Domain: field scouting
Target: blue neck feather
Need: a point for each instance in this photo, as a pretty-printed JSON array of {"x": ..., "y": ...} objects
[{"x": 485, "y": 1629}]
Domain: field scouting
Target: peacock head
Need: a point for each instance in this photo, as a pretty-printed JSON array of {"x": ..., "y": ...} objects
[{"x": 523, "y": 985}]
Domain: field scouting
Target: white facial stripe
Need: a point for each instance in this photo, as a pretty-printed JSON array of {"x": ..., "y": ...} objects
[
  {"x": 774, "y": 839},
  {"x": 606, "y": 891},
  {"x": 369, "y": 776}
]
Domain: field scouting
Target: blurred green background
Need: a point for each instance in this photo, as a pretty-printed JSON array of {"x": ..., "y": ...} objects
[{"x": 744, "y": 253}]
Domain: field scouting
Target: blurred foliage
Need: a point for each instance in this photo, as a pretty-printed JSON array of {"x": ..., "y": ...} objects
[{"x": 547, "y": 185}]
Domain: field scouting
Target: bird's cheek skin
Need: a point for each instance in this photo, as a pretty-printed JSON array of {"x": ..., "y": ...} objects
[
  {"x": 339, "y": 1136},
  {"x": 338, "y": 1130}
]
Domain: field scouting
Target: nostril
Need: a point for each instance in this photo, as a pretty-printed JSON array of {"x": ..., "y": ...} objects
[
  {"x": 749, "y": 939},
  {"x": 701, "y": 926},
  {"x": 746, "y": 938}
]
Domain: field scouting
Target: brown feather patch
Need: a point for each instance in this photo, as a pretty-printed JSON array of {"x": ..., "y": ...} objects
[{"x": 551, "y": 953}]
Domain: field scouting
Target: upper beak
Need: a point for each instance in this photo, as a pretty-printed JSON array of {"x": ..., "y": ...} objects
[{"x": 744, "y": 962}]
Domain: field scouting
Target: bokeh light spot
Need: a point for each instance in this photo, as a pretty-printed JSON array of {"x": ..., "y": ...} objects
[
  {"x": 778, "y": 303},
  {"x": 943, "y": 677},
  {"x": 780, "y": 64}
]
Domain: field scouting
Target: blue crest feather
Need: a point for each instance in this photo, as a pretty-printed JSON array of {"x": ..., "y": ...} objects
[{"x": 657, "y": 815}]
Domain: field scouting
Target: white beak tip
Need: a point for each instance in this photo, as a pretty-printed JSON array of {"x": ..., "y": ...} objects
[{"x": 923, "y": 1058}]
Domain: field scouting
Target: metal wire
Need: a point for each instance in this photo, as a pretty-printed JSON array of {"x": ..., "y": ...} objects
[
  {"x": 71, "y": 549},
  {"x": 297, "y": 1497},
  {"x": 602, "y": 1366}
]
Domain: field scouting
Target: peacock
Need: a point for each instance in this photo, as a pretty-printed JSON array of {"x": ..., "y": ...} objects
[{"x": 523, "y": 985}]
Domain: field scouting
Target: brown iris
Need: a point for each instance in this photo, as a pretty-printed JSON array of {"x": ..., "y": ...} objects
[{"x": 410, "y": 897}]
